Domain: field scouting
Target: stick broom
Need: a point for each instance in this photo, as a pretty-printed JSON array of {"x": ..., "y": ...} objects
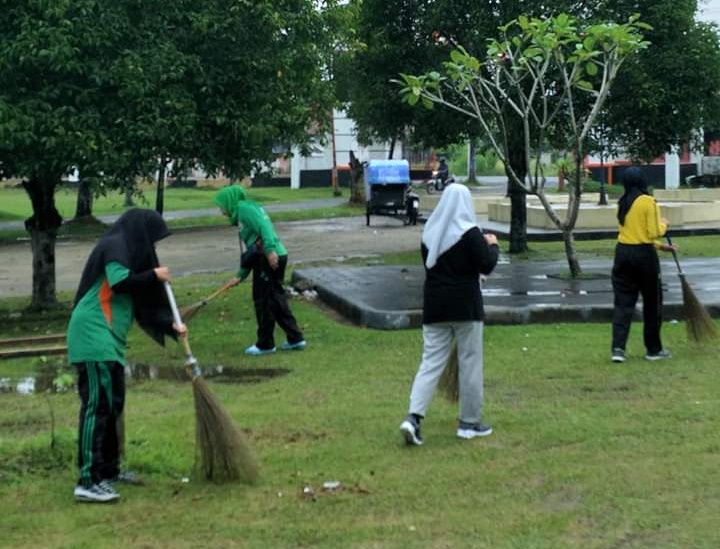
[
  {"x": 700, "y": 325},
  {"x": 224, "y": 453},
  {"x": 188, "y": 312}
]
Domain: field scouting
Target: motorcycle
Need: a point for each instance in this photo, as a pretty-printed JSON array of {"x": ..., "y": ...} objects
[{"x": 436, "y": 184}]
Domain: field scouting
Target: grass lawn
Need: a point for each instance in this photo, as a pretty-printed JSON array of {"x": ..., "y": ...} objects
[
  {"x": 585, "y": 453},
  {"x": 688, "y": 246},
  {"x": 15, "y": 204}
]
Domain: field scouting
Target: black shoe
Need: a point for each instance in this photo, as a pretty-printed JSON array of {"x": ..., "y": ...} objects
[
  {"x": 410, "y": 430},
  {"x": 659, "y": 355},
  {"x": 618, "y": 355}
]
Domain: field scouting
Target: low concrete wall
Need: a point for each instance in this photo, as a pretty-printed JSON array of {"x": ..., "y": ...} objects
[
  {"x": 687, "y": 195},
  {"x": 592, "y": 216},
  {"x": 429, "y": 201}
]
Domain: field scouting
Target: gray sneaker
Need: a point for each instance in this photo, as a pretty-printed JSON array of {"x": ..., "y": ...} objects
[
  {"x": 126, "y": 477},
  {"x": 411, "y": 432},
  {"x": 468, "y": 431},
  {"x": 97, "y": 493},
  {"x": 618, "y": 355},
  {"x": 659, "y": 355}
]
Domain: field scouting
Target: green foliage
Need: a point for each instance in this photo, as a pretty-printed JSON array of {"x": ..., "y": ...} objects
[
  {"x": 486, "y": 162},
  {"x": 395, "y": 37},
  {"x": 669, "y": 90},
  {"x": 542, "y": 76}
]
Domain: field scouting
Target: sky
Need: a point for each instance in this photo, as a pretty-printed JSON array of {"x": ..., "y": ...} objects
[{"x": 709, "y": 10}]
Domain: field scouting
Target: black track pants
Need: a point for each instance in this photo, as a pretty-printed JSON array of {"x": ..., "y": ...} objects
[
  {"x": 636, "y": 271},
  {"x": 101, "y": 386},
  {"x": 271, "y": 304}
]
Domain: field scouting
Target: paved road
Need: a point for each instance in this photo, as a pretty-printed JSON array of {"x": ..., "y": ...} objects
[{"x": 216, "y": 250}]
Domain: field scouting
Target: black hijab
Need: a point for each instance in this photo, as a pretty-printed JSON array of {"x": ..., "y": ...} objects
[
  {"x": 635, "y": 185},
  {"x": 131, "y": 242}
]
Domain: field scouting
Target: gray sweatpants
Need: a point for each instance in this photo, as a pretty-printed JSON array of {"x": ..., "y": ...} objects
[{"x": 437, "y": 344}]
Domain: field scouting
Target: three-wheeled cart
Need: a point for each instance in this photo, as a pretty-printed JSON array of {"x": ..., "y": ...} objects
[{"x": 388, "y": 190}]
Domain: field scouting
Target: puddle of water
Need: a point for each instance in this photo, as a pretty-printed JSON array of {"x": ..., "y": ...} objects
[
  {"x": 43, "y": 381},
  {"x": 218, "y": 373},
  {"x": 495, "y": 292}
]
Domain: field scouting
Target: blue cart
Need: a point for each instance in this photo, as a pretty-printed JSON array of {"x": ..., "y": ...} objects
[{"x": 388, "y": 190}]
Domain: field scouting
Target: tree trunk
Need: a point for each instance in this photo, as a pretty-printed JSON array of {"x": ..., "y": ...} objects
[
  {"x": 83, "y": 206},
  {"x": 518, "y": 219},
  {"x": 160, "y": 194},
  {"x": 43, "y": 227},
  {"x": 129, "y": 202},
  {"x": 357, "y": 181},
  {"x": 392, "y": 149},
  {"x": 472, "y": 153},
  {"x": 518, "y": 206},
  {"x": 571, "y": 253}
]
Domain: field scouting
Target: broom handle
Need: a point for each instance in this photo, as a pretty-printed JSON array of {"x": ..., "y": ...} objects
[
  {"x": 675, "y": 257},
  {"x": 222, "y": 290},
  {"x": 178, "y": 321}
]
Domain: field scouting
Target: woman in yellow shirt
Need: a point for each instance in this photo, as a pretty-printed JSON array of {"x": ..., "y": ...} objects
[{"x": 636, "y": 270}]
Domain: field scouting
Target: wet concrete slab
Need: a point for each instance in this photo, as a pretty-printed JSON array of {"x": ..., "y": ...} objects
[{"x": 390, "y": 297}]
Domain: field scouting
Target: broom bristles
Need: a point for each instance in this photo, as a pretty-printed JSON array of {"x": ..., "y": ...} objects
[
  {"x": 700, "y": 325},
  {"x": 224, "y": 453},
  {"x": 449, "y": 383},
  {"x": 186, "y": 313}
]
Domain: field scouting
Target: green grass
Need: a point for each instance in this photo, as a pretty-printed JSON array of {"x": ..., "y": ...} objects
[
  {"x": 94, "y": 228},
  {"x": 688, "y": 246},
  {"x": 15, "y": 204},
  {"x": 585, "y": 453}
]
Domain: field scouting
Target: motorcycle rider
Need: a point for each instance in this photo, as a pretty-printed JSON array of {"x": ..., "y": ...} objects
[{"x": 443, "y": 172}]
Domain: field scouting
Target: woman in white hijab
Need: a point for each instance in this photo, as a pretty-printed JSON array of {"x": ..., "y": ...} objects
[{"x": 455, "y": 253}]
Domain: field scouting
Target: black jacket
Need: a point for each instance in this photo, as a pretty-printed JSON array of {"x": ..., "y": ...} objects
[
  {"x": 131, "y": 242},
  {"x": 452, "y": 286}
]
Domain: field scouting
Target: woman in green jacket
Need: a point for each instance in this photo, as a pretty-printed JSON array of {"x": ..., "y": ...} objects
[
  {"x": 122, "y": 280},
  {"x": 263, "y": 253}
]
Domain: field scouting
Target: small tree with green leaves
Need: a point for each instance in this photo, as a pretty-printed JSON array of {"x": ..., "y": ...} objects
[{"x": 548, "y": 76}]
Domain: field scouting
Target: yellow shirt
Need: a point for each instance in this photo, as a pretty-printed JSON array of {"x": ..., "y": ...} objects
[{"x": 643, "y": 224}]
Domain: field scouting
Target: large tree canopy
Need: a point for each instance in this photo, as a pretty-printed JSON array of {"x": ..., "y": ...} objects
[
  {"x": 116, "y": 87},
  {"x": 671, "y": 90}
]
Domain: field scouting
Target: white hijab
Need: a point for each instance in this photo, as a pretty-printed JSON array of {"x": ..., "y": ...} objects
[{"x": 453, "y": 217}]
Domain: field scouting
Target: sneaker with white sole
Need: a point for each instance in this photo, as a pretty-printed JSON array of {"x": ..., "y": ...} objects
[
  {"x": 659, "y": 355},
  {"x": 411, "y": 432},
  {"x": 618, "y": 355},
  {"x": 254, "y": 350},
  {"x": 97, "y": 493},
  {"x": 126, "y": 477},
  {"x": 297, "y": 346},
  {"x": 468, "y": 431}
]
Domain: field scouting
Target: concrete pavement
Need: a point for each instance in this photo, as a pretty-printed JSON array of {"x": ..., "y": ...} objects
[{"x": 519, "y": 292}]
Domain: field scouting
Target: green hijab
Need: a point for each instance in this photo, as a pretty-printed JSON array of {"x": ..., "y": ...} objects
[{"x": 228, "y": 198}]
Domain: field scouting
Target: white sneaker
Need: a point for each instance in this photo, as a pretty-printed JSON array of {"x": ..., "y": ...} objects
[
  {"x": 97, "y": 493},
  {"x": 411, "y": 433},
  {"x": 473, "y": 431}
]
